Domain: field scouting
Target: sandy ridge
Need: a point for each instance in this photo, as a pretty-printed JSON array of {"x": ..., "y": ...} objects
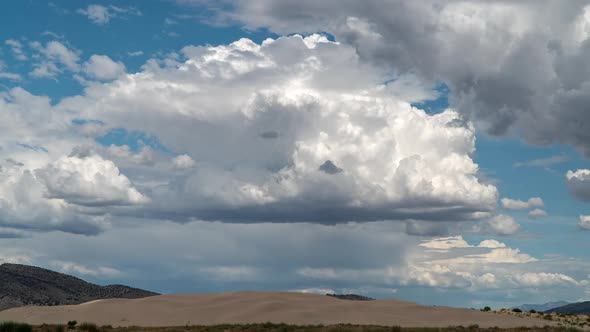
[{"x": 259, "y": 307}]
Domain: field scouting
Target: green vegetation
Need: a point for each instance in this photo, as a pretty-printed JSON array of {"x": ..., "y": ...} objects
[
  {"x": 72, "y": 324},
  {"x": 15, "y": 327},
  {"x": 486, "y": 309}
]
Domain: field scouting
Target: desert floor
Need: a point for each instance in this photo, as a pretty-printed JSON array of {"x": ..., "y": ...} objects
[{"x": 260, "y": 307}]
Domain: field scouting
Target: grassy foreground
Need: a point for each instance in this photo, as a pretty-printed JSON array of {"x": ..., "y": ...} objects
[{"x": 266, "y": 327}]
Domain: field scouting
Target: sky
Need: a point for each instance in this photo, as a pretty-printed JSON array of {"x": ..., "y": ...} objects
[{"x": 433, "y": 151}]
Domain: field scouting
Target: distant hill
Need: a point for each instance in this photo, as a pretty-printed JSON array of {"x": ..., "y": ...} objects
[
  {"x": 572, "y": 308},
  {"x": 22, "y": 285},
  {"x": 542, "y": 307},
  {"x": 353, "y": 297}
]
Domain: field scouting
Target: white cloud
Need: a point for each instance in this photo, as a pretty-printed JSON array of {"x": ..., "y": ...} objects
[
  {"x": 97, "y": 14},
  {"x": 101, "y": 15},
  {"x": 83, "y": 270},
  {"x": 55, "y": 57},
  {"x": 537, "y": 213},
  {"x": 543, "y": 162},
  {"x": 264, "y": 118},
  {"x": 135, "y": 53},
  {"x": 499, "y": 224},
  {"x": 584, "y": 222},
  {"x": 514, "y": 204},
  {"x": 543, "y": 279},
  {"x": 499, "y": 86},
  {"x": 89, "y": 181},
  {"x": 145, "y": 156},
  {"x": 183, "y": 161},
  {"x": 491, "y": 244},
  {"x": 103, "y": 68},
  {"x": 446, "y": 243},
  {"x": 578, "y": 183},
  {"x": 8, "y": 75},
  {"x": 17, "y": 49}
]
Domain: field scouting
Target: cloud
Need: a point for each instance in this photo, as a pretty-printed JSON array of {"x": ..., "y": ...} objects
[
  {"x": 183, "y": 161},
  {"x": 584, "y": 222},
  {"x": 135, "y": 53},
  {"x": 328, "y": 167},
  {"x": 499, "y": 225},
  {"x": 17, "y": 49},
  {"x": 103, "y": 68},
  {"x": 101, "y": 15},
  {"x": 515, "y": 204},
  {"x": 8, "y": 75},
  {"x": 89, "y": 181},
  {"x": 578, "y": 183},
  {"x": 537, "y": 85},
  {"x": 543, "y": 162},
  {"x": 220, "y": 103},
  {"x": 537, "y": 213},
  {"x": 82, "y": 270},
  {"x": 55, "y": 57}
]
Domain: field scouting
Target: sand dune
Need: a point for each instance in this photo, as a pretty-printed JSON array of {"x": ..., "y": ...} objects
[{"x": 257, "y": 307}]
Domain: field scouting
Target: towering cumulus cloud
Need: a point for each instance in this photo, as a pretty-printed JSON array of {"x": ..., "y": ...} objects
[
  {"x": 293, "y": 129},
  {"x": 503, "y": 70}
]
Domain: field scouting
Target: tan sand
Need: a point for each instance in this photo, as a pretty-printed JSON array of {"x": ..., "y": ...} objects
[{"x": 259, "y": 307}]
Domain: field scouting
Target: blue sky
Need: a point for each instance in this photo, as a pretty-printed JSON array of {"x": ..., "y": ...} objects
[{"x": 203, "y": 127}]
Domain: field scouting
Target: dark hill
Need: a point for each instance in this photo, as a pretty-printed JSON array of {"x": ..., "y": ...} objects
[
  {"x": 573, "y": 308},
  {"x": 353, "y": 297},
  {"x": 28, "y": 285}
]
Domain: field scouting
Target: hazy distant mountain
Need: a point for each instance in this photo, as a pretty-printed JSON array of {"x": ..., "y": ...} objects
[
  {"x": 542, "y": 307},
  {"x": 573, "y": 308},
  {"x": 28, "y": 285}
]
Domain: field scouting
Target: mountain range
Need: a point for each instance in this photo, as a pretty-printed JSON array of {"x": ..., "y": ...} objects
[
  {"x": 572, "y": 308},
  {"x": 22, "y": 285},
  {"x": 542, "y": 307}
]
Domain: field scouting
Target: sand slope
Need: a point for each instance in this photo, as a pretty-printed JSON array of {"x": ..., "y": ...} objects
[{"x": 257, "y": 307}]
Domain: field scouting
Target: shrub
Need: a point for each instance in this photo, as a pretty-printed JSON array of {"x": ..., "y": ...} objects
[
  {"x": 59, "y": 328},
  {"x": 72, "y": 324},
  {"x": 89, "y": 327},
  {"x": 516, "y": 310},
  {"x": 548, "y": 317},
  {"x": 533, "y": 311},
  {"x": 486, "y": 309},
  {"x": 15, "y": 327}
]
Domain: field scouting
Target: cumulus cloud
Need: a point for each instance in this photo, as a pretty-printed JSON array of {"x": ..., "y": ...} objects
[
  {"x": 516, "y": 76},
  {"x": 88, "y": 181},
  {"x": 578, "y": 183},
  {"x": 183, "y": 161},
  {"x": 499, "y": 225},
  {"x": 537, "y": 213},
  {"x": 337, "y": 144},
  {"x": 584, "y": 222},
  {"x": 515, "y": 204},
  {"x": 103, "y": 68}
]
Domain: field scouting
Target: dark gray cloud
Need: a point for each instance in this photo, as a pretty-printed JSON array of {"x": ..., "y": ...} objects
[{"x": 328, "y": 167}]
